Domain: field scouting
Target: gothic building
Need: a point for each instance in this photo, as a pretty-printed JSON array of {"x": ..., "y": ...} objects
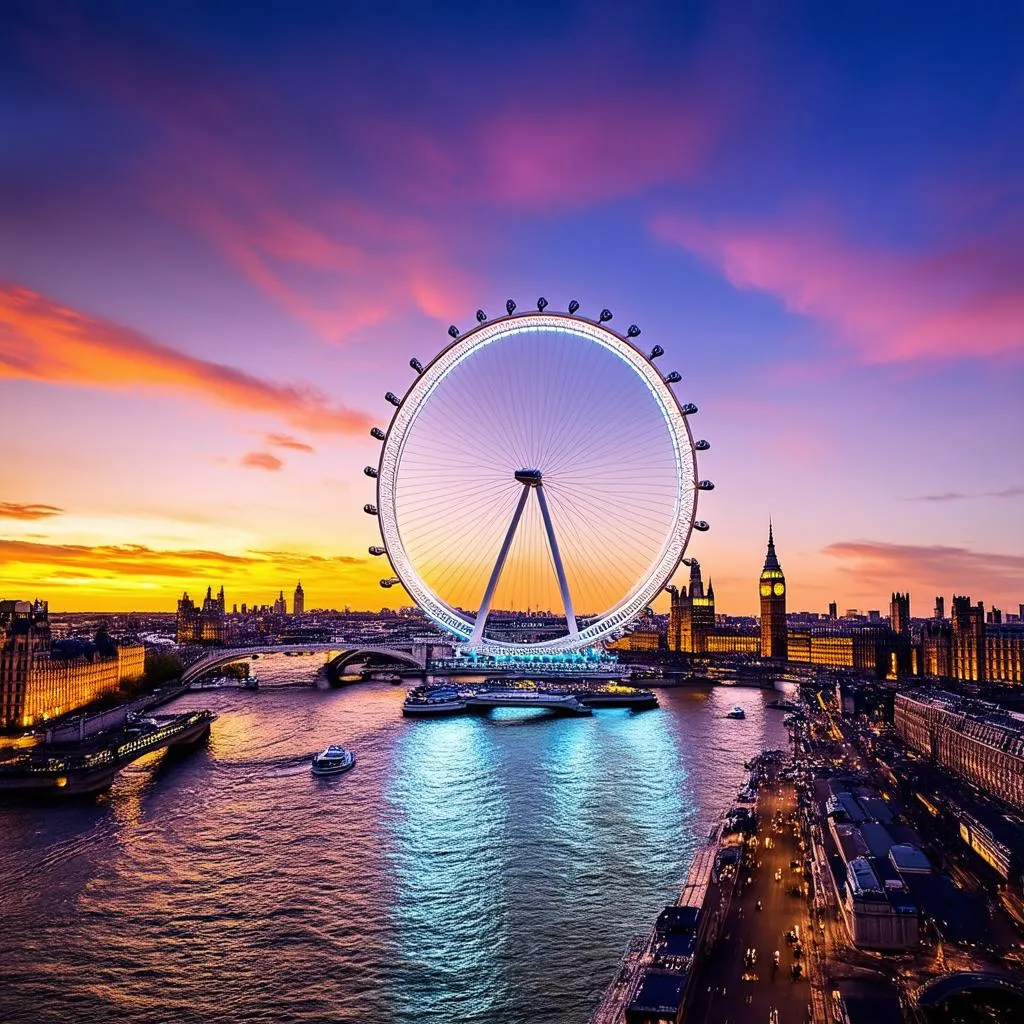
[{"x": 773, "y": 605}]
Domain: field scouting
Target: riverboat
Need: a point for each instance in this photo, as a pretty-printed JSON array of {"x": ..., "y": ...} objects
[
  {"x": 333, "y": 760},
  {"x": 737, "y": 712}
]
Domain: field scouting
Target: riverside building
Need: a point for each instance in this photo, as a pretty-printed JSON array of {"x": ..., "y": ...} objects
[
  {"x": 975, "y": 740},
  {"x": 40, "y": 679}
]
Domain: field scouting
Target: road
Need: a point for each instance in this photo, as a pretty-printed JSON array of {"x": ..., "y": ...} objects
[{"x": 720, "y": 995}]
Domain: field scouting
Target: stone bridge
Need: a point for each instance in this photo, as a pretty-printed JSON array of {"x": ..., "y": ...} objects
[{"x": 416, "y": 655}]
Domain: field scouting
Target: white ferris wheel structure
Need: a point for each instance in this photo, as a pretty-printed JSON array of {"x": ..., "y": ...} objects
[{"x": 540, "y": 461}]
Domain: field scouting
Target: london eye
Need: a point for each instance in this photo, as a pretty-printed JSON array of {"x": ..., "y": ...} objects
[{"x": 539, "y": 465}]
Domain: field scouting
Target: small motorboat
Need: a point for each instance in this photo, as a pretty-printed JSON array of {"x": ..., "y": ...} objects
[
  {"x": 737, "y": 712},
  {"x": 333, "y": 760}
]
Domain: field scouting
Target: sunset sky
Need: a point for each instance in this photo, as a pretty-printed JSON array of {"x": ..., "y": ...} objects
[{"x": 223, "y": 234}]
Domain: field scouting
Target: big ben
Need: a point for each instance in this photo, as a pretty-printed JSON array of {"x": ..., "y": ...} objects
[{"x": 773, "y": 605}]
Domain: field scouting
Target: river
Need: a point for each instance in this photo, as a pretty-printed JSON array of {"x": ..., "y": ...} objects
[{"x": 468, "y": 869}]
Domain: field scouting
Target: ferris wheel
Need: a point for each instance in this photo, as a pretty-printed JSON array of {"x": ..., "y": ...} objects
[{"x": 539, "y": 466}]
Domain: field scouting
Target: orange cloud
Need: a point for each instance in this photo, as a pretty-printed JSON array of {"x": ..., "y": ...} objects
[
  {"x": 289, "y": 442},
  {"x": 879, "y": 567},
  {"x": 261, "y": 460},
  {"x": 43, "y": 341},
  {"x": 116, "y": 576},
  {"x": 15, "y": 510},
  {"x": 888, "y": 307}
]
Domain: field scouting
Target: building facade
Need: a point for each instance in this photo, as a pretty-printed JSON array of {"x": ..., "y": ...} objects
[
  {"x": 974, "y": 740},
  {"x": 201, "y": 625},
  {"x": 299, "y": 600},
  {"x": 36, "y": 684},
  {"x": 967, "y": 648},
  {"x": 772, "y": 589}
]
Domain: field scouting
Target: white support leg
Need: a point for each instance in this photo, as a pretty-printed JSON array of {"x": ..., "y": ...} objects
[
  {"x": 563, "y": 584},
  {"x": 485, "y": 606}
]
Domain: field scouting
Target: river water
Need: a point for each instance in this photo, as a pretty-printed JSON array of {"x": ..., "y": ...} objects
[{"x": 468, "y": 869}]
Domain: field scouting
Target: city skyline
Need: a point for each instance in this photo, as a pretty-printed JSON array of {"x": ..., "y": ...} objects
[{"x": 203, "y": 301}]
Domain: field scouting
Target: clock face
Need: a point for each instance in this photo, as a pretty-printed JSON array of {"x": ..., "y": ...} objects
[
  {"x": 780, "y": 589},
  {"x": 766, "y": 589}
]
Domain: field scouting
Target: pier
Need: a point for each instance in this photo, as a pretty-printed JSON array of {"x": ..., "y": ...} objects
[
  {"x": 575, "y": 699},
  {"x": 76, "y": 769}
]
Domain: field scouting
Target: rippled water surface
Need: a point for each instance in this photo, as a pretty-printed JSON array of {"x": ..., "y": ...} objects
[{"x": 468, "y": 869}]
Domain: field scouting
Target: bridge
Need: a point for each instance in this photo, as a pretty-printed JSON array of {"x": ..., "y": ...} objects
[{"x": 416, "y": 655}]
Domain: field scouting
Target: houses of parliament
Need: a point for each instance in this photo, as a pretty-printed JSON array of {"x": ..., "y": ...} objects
[{"x": 969, "y": 646}]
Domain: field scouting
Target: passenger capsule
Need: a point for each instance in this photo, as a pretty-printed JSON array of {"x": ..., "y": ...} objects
[
  {"x": 705, "y": 485},
  {"x": 370, "y": 510},
  {"x": 674, "y": 377},
  {"x": 573, "y": 306},
  {"x": 481, "y": 316},
  {"x": 510, "y": 307},
  {"x": 542, "y": 304},
  {"x": 605, "y": 316},
  {"x": 393, "y": 399},
  {"x": 453, "y": 331},
  {"x": 416, "y": 364},
  {"x": 370, "y": 472},
  {"x": 376, "y": 549},
  {"x": 701, "y": 525},
  {"x": 657, "y": 351},
  {"x": 377, "y": 433},
  {"x": 632, "y": 331},
  {"x": 702, "y": 445},
  {"x": 689, "y": 409},
  {"x": 391, "y": 581}
]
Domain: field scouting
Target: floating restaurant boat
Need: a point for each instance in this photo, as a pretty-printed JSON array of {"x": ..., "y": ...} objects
[{"x": 333, "y": 760}]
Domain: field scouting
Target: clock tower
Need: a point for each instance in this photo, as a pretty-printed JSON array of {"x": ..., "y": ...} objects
[{"x": 773, "y": 605}]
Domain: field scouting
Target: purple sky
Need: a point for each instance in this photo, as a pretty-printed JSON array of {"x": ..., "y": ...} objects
[{"x": 222, "y": 237}]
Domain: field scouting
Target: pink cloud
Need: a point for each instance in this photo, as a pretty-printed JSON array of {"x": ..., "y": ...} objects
[
  {"x": 289, "y": 442},
  {"x": 604, "y": 148},
  {"x": 966, "y": 301},
  {"x": 936, "y": 568},
  {"x": 261, "y": 460}
]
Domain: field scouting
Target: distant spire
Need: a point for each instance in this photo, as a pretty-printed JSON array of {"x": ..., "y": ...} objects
[
  {"x": 771, "y": 560},
  {"x": 711, "y": 590},
  {"x": 696, "y": 583}
]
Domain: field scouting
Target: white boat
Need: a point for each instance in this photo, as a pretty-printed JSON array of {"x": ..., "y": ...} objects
[
  {"x": 333, "y": 760},
  {"x": 737, "y": 712}
]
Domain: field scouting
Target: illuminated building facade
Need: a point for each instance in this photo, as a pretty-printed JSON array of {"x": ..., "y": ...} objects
[
  {"x": 37, "y": 684},
  {"x": 201, "y": 625},
  {"x": 966, "y": 648},
  {"x": 638, "y": 640},
  {"x": 977, "y": 741},
  {"x": 899, "y": 614},
  {"x": 692, "y": 614},
  {"x": 772, "y": 588},
  {"x": 1004, "y": 653},
  {"x": 299, "y": 600},
  {"x": 937, "y": 649},
  {"x": 968, "y": 640}
]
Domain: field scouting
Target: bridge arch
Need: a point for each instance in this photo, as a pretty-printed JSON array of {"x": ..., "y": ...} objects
[{"x": 221, "y": 656}]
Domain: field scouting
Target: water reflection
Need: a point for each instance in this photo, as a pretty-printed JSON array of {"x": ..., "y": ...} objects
[
  {"x": 449, "y": 850},
  {"x": 467, "y": 869}
]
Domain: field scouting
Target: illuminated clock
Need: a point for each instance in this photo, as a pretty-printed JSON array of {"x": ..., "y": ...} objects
[
  {"x": 780, "y": 589},
  {"x": 766, "y": 589}
]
